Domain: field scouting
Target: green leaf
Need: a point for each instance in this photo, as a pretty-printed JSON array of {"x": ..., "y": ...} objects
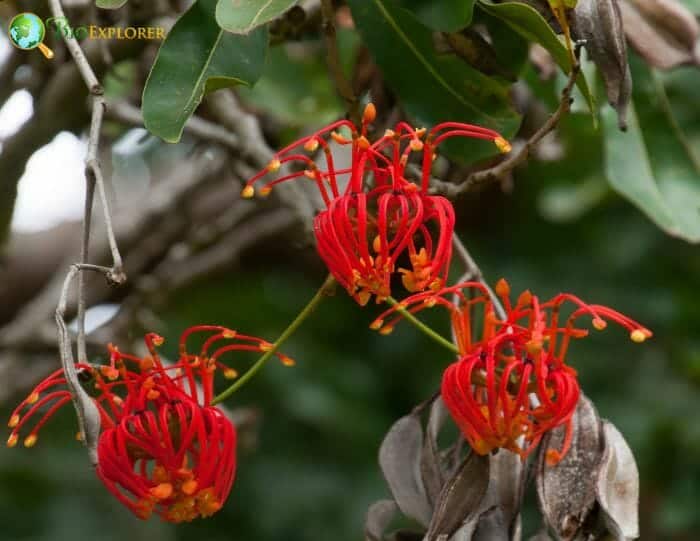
[
  {"x": 442, "y": 15},
  {"x": 651, "y": 164},
  {"x": 110, "y": 4},
  {"x": 527, "y": 22},
  {"x": 197, "y": 57},
  {"x": 433, "y": 88},
  {"x": 242, "y": 16}
]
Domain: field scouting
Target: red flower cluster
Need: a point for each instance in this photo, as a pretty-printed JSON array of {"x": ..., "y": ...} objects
[
  {"x": 374, "y": 216},
  {"x": 162, "y": 447},
  {"x": 511, "y": 383}
]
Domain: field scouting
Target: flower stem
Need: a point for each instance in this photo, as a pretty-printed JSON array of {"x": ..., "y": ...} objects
[
  {"x": 293, "y": 326},
  {"x": 408, "y": 316}
]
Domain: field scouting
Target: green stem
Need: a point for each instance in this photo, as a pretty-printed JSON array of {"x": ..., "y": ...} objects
[
  {"x": 289, "y": 331},
  {"x": 422, "y": 326}
]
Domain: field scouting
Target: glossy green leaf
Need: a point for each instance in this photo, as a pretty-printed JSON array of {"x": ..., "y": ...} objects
[
  {"x": 442, "y": 15},
  {"x": 197, "y": 57},
  {"x": 527, "y": 22},
  {"x": 242, "y": 16},
  {"x": 433, "y": 88},
  {"x": 651, "y": 164},
  {"x": 110, "y": 4}
]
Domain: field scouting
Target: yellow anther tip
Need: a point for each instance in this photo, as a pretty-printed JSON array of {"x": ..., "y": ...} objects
[
  {"x": 288, "y": 361},
  {"x": 503, "y": 145},
  {"x": 247, "y": 192},
  {"x": 638, "y": 336},
  {"x": 377, "y": 324},
  {"x": 311, "y": 145},
  {"x": 430, "y": 302},
  {"x": 12, "y": 440},
  {"x": 228, "y": 333},
  {"x": 416, "y": 145},
  {"x": 14, "y": 421},
  {"x": 274, "y": 165},
  {"x": 265, "y": 191},
  {"x": 230, "y": 373},
  {"x": 389, "y": 133},
  {"x": 158, "y": 340},
  {"x": 30, "y": 440},
  {"x": 266, "y": 346},
  {"x": 33, "y": 398},
  {"x": 386, "y": 330},
  {"x": 599, "y": 324}
]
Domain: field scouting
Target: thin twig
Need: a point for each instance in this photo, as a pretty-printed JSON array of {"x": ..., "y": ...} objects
[
  {"x": 334, "y": 65},
  {"x": 517, "y": 156},
  {"x": 473, "y": 272},
  {"x": 88, "y": 415}
]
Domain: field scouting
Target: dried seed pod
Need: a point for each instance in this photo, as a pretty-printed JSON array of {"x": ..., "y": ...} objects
[
  {"x": 599, "y": 23},
  {"x": 617, "y": 489},
  {"x": 430, "y": 464},
  {"x": 400, "y": 457},
  {"x": 663, "y": 32},
  {"x": 567, "y": 491},
  {"x": 461, "y": 497},
  {"x": 379, "y": 516}
]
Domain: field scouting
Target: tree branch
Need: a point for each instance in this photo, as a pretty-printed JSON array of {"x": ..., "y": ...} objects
[{"x": 520, "y": 154}]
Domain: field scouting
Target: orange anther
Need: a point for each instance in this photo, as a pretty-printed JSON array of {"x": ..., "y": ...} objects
[
  {"x": 502, "y": 288},
  {"x": 162, "y": 491},
  {"x": 369, "y": 114},
  {"x": 189, "y": 487},
  {"x": 14, "y": 421}
]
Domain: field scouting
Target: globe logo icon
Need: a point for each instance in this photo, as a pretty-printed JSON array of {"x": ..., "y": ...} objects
[{"x": 27, "y": 31}]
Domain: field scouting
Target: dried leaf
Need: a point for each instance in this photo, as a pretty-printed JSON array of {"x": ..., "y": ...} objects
[
  {"x": 430, "y": 464},
  {"x": 663, "y": 32},
  {"x": 400, "y": 457},
  {"x": 379, "y": 517},
  {"x": 567, "y": 491},
  {"x": 460, "y": 498},
  {"x": 599, "y": 23},
  {"x": 492, "y": 526},
  {"x": 618, "y": 486}
]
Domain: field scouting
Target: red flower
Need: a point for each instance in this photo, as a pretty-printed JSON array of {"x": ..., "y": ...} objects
[
  {"x": 511, "y": 383},
  {"x": 374, "y": 216},
  {"x": 163, "y": 447}
]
